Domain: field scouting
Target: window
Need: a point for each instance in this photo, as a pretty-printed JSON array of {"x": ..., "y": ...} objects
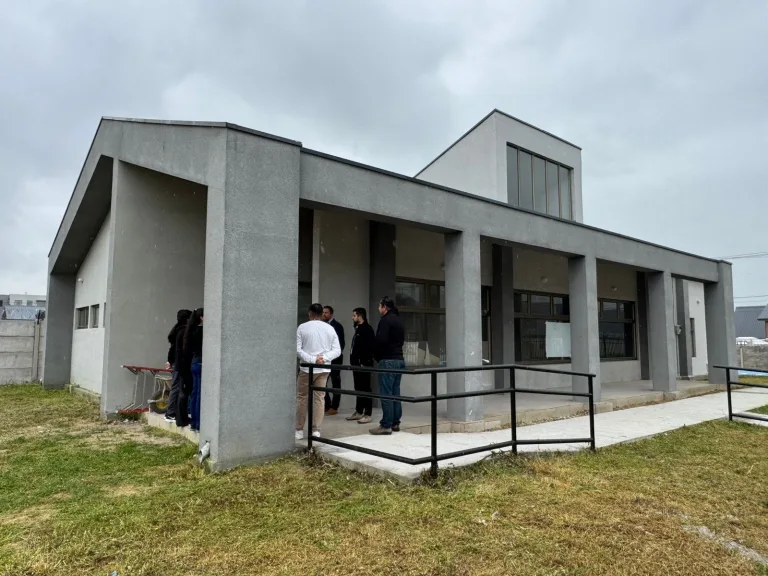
[
  {"x": 95, "y": 316},
  {"x": 693, "y": 337},
  {"x": 30, "y": 303},
  {"x": 40, "y": 303},
  {"x": 542, "y": 329},
  {"x": 617, "y": 329},
  {"x": 81, "y": 318},
  {"x": 536, "y": 183},
  {"x": 422, "y": 310}
]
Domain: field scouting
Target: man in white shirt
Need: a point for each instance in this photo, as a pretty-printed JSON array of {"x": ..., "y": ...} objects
[{"x": 316, "y": 343}]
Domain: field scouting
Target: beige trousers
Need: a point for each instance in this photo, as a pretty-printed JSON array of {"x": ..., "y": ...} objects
[{"x": 302, "y": 394}]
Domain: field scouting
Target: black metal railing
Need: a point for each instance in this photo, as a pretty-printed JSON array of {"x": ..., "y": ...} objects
[
  {"x": 729, "y": 384},
  {"x": 434, "y": 398}
]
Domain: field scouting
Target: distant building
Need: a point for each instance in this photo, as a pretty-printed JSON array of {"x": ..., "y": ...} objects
[
  {"x": 750, "y": 321},
  {"x": 21, "y": 306}
]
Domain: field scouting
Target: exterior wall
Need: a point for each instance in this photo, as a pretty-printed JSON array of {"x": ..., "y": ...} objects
[
  {"x": 91, "y": 289},
  {"x": 470, "y": 165},
  {"x": 156, "y": 265},
  {"x": 11, "y": 299},
  {"x": 697, "y": 312}
]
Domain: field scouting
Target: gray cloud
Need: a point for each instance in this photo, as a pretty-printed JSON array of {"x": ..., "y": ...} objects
[{"x": 667, "y": 100}]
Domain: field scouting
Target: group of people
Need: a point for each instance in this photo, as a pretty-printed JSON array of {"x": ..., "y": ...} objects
[
  {"x": 320, "y": 340},
  {"x": 185, "y": 361}
]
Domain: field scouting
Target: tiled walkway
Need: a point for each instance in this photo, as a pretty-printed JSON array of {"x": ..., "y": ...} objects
[{"x": 610, "y": 428}]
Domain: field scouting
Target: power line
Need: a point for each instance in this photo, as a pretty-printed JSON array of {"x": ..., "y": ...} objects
[{"x": 744, "y": 256}]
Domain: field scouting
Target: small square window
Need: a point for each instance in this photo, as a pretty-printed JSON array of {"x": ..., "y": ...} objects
[{"x": 82, "y": 318}]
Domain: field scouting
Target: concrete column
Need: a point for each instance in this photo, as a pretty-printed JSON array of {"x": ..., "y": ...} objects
[
  {"x": 502, "y": 312},
  {"x": 382, "y": 275},
  {"x": 251, "y": 289},
  {"x": 642, "y": 326},
  {"x": 383, "y": 240},
  {"x": 156, "y": 266},
  {"x": 463, "y": 308},
  {"x": 661, "y": 331},
  {"x": 36, "y": 353},
  {"x": 585, "y": 334},
  {"x": 683, "y": 317},
  {"x": 718, "y": 310},
  {"x": 60, "y": 319}
]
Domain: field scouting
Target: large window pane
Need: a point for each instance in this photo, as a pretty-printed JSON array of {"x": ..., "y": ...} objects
[
  {"x": 553, "y": 196},
  {"x": 436, "y": 296},
  {"x": 540, "y": 305},
  {"x": 531, "y": 340},
  {"x": 617, "y": 339},
  {"x": 512, "y": 181},
  {"x": 539, "y": 185},
  {"x": 565, "y": 193},
  {"x": 424, "y": 338},
  {"x": 526, "y": 180},
  {"x": 610, "y": 311},
  {"x": 560, "y": 306},
  {"x": 521, "y": 303},
  {"x": 410, "y": 295}
]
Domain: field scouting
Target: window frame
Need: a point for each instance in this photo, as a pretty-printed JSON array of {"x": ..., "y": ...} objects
[
  {"x": 93, "y": 314},
  {"x": 82, "y": 313},
  {"x": 552, "y": 317},
  {"x": 546, "y": 212},
  {"x": 485, "y": 302},
  {"x": 632, "y": 321}
]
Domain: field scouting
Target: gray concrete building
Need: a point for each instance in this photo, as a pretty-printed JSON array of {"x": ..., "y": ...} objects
[{"x": 485, "y": 252}]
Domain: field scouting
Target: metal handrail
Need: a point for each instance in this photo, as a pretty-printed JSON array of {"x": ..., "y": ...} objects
[
  {"x": 729, "y": 383},
  {"x": 433, "y": 398}
]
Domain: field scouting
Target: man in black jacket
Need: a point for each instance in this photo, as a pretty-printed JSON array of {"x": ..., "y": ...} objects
[
  {"x": 332, "y": 404},
  {"x": 390, "y": 337},
  {"x": 361, "y": 353}
]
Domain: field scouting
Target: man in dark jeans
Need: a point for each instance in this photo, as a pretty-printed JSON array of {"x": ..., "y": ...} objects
[
  {"x": 332, "y": 404},
  {"x": 361, "y": 353},
  {"x": 390, "y": 336}
]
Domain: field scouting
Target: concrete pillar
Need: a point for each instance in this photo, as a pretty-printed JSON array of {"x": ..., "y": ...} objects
[
  {"x": 463, "y": 308},
  {"x": 60, "y": 319},
  {"x": 721, "y": 340},
  {"x": 382, "y": 274},
  {"x": 502, "y": 312},
  {"x": 661, "y": 331},
  {"x": 383, "y": 241},
  {"x": 642, "y": 326},
  {"x": 585, "y": 334},
  {"x": 683, "y": 318},
  {"x": 251, "y": 282},
  {"x": 156, "y": 266}
]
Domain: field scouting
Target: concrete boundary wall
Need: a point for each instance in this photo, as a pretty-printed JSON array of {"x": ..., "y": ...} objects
[{"x": 22, "y": 344}]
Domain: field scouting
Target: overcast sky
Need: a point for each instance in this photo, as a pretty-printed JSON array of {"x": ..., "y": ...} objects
[{"x": 667, "y": 99}]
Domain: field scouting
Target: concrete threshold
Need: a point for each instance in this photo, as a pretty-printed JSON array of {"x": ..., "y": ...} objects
[{"x": 159, "y": 421}]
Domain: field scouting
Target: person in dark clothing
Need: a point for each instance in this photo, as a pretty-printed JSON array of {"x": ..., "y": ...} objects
[
  {"x": 182, "y": 317},
  {"x": 193, "y": 351},
  {"x": 390, "y": 336},
  {"x": 184, "y": 367},
  {"x": 332, "y": 403},
  {"x": 361, "y": 353}
]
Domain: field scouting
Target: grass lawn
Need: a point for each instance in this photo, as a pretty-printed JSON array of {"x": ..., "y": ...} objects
[{"x": 80, "y": 497}]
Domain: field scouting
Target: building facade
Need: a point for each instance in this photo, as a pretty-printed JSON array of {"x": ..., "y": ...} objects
[{"x": 484, "y": 251}]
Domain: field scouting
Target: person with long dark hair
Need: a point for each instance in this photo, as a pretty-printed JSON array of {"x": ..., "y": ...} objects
[
  {"x": 193, "y": 350},
  {"x": 182, "y": 317}
]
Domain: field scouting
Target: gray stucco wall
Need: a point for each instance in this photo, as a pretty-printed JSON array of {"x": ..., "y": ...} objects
[
  {"x": 470, "y": 164},
  {"x": 156, "y": 266},
  {"x": 20, "y": 356}
]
